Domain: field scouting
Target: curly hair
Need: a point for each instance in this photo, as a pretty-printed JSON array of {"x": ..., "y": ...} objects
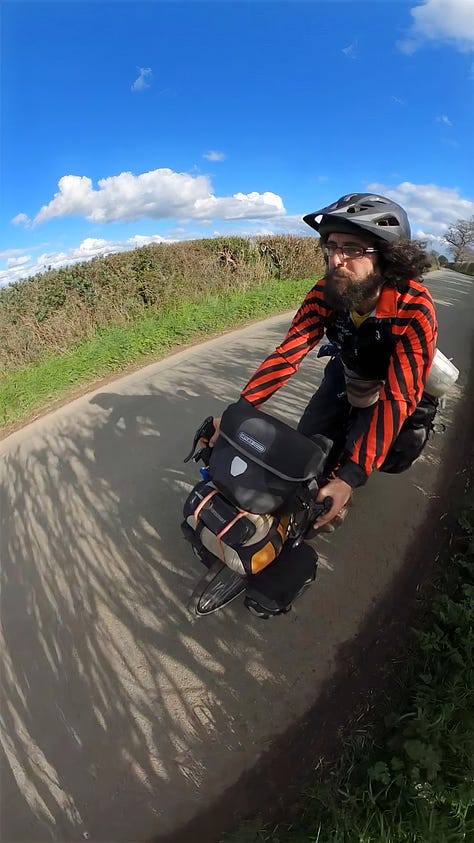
[{"x": 402, "y": 261}]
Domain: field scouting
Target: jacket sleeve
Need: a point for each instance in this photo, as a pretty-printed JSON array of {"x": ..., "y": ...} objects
[
  {"x": 415, "y": 328},
  {"x": 304, "y": 333}
]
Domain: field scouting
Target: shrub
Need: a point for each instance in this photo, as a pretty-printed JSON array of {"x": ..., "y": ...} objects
[
  {"x": 46, "y": 313},
  {"x": 467, "y": 267}
]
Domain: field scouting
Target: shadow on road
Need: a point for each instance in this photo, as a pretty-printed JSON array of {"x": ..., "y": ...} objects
[{"x": 97, "y": 640}]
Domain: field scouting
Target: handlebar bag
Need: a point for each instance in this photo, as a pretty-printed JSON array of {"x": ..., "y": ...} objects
[{"x": 258, "y": 461}]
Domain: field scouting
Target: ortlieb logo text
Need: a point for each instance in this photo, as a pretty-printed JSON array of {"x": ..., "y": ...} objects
[{"x": 249, "y": 440}]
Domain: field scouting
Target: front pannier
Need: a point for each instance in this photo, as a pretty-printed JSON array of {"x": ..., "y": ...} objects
[
  {"x": 246, "y": 542},
  {"x": 274, "y": 589}
]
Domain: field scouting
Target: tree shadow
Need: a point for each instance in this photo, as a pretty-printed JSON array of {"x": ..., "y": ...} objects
[{"x": 111, "y": 692}]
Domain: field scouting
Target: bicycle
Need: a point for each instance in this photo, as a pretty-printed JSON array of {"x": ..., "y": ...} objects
[
  {"x": 248, "y": 518},
  {"x": 246, "y": 476}
]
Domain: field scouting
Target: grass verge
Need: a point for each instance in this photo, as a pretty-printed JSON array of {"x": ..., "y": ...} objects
[
  {"x": 407, "y": 776},
  {"x": 30, "y": 390}
]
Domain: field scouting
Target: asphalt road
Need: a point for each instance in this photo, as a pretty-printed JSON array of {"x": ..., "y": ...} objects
[{"x": 122, "y": 718}]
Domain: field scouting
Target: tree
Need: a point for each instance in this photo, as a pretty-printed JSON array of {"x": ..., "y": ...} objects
[
  {"x": 442, "y": 260},
  {"x": 460, "y": 237}
]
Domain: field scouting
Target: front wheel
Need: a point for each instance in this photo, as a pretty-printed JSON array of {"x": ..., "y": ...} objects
[{"x": 216, "y": 589}]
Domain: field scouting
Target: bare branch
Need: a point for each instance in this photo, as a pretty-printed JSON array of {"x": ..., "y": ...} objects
[{"x": 460, "y": 238}]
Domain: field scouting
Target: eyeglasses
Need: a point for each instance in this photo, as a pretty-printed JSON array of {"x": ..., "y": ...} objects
[{"x": 348, "y": 251}]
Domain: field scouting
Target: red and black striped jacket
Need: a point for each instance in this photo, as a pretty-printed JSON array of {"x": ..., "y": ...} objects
[{"x": 395, "y": 344}]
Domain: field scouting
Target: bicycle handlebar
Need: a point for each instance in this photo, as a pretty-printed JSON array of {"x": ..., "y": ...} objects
[{"x": 205, "y": 431}]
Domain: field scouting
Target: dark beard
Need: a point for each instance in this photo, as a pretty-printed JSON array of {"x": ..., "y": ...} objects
[{"x": 353, "y": 294}]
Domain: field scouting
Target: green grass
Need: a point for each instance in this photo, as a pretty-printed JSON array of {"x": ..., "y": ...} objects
[
  {"x": 25, "y": 392},
  {"x": 408, "y": 776}
]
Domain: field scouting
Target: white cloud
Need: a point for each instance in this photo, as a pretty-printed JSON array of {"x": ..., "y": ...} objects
[
  {"x": 433, "y": 242},
  {"x": 139, "y": 240},
  {"x": 350, "y": 52},
  {"x": 239, "y": 206},
  {"x": 21, "y": 219},
  {"x": 284, "y": 224},
  {"x": 397, "y": 100},
  {"x": 13, "y": 262},
  {"x": 444, "y": 119},
  {"x": 158, "y": 194},
  {"x": 451, "y": 21},
  {"x": 141, "y": 82},
  {"x": 214, "y": 155},
  {"x": 93, "y": 247},
  {"x": 10, "y": 253},
  {"x": 429, "y": 207}
]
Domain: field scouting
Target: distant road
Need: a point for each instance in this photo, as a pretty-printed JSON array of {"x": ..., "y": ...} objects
[{"x": 122, "y": 718}]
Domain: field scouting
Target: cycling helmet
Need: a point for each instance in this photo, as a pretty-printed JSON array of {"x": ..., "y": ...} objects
[{"x": 374, "y": 214}]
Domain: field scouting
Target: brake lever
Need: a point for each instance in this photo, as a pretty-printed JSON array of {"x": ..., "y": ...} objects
[
  {"x": 314, "y": 511},
  {"x": 205, "y": 431},
  {"x": 204, "y": 454},
  {"x": 320, "y": 508}
]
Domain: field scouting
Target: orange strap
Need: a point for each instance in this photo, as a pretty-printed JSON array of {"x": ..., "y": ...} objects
[
  {"x": 202, "y": 504},
  {"x": 227, "y": 527}
]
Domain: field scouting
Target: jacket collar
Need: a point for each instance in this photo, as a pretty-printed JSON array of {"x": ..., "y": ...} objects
[{"x": 386, "y": 306}]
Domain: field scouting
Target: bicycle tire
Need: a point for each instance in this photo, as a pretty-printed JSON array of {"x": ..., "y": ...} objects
[{"x": 216, "y": 589}]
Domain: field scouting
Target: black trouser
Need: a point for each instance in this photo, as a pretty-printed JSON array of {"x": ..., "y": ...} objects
[{"x": 328, "y": 412}]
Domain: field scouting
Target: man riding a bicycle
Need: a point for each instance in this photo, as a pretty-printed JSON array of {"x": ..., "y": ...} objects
[{"x": 380, "y": 322}]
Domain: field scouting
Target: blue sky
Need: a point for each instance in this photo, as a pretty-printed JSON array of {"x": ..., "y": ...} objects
[{"x": 128, "y": 122}]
